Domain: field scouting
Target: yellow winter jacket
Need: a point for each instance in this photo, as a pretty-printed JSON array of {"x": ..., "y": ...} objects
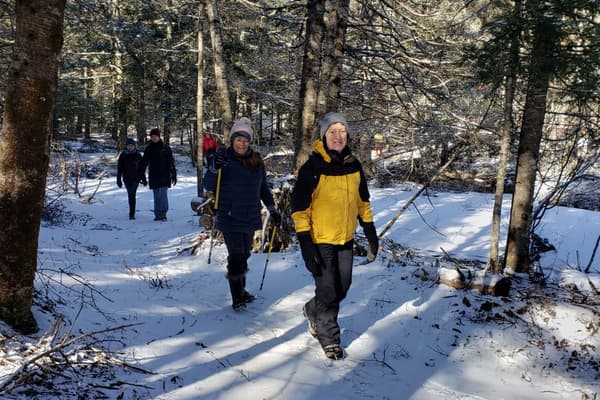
[{"x": 330, "y": 195}]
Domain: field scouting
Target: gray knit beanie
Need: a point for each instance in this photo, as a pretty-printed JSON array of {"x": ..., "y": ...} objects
[
  {"x": 331, "y": 118},
  {"x": 242, "y": 127}
]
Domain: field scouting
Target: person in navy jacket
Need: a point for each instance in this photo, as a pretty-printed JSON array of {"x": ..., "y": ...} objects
[
  {"x": 128, "y": 171},
  {"x": 242, "y": 186}
]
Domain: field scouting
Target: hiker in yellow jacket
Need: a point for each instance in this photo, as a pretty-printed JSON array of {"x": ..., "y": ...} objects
[{"x": 329, "y": 199}]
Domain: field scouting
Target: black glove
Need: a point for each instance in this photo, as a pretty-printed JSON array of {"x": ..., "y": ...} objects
[
  {"x": 119, "y": 183},
  {"x": 371, "y": 234},
  {"x": 220, "y": 159},
  {"x": 173, "y": 179},
  {"x": 275, "y": 216},
  {"x": 310, "y": 253},
  {"x": 143, "y": 181}
]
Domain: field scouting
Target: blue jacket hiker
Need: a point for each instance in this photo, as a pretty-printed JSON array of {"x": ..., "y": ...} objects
[
  {"x": 128, "y": 171},
  {"x": 158, "y": 158},
  {"x": 242, "y": 186}
]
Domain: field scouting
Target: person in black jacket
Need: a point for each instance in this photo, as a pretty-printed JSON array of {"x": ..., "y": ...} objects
[
  {"x": 128, "y": 172},
  {"x": 329, "y": 200},
  {"x": 158, "y": 158},
  {"x": 242, "y": 186}
]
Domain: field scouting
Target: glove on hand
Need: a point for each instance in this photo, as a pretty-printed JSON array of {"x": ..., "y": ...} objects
[
  {"x": 119, "y": 183},
  {"x": 220, "y": 159},
  {"x": 143, "y": 181},
  {"x": 371, "y": 234},
  {"x": 174, "y": 180},
  {"x": 275, "y": 216},
  {"x": 310, "y": 253}
]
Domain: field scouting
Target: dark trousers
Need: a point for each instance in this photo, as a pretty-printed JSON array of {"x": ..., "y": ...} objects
[
  {"x": 131, "y": 194},
  {"x": 330, "y": 289},
  {"x": 239, "y": 245}
]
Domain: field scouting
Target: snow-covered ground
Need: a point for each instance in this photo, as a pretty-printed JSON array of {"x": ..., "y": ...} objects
[{"x": 406, "y": 337}]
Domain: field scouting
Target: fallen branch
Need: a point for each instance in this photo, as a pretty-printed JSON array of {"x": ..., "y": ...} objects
[
  {"x": 89, "y": 199},
  {"x": 48, "y": 348}
]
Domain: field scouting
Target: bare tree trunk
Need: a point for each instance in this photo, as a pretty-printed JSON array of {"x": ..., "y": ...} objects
[
  {"x": 540, "y": 72},
  {"x": 119, "y": 130},
  {"x": 214, "y": 25},
  {"x": 24, "y": 150},
  {"x": 507, "y": 131},
  {"x": 199, "y": 100},
  {"x": 87, "y": 95},
  {"x": 335, "y": 23},
  {"x": 167, "y": 89},
  {"x": 141, "y": 107},
  {"x": 307, "y": 128}
]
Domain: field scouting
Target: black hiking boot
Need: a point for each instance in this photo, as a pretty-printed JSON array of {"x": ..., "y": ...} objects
[
  {"x": 333, "y": 351},
  {"x": 238, "y": 305},
  {"x": 237, "y": 293},
  {"x": 312, "y": 326},
  {"x": 248, "y": 297}
]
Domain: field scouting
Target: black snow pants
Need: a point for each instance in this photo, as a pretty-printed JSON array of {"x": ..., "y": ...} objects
[
  {"x": 238, "y": 245},
  {"x": 330, "y": 289}
]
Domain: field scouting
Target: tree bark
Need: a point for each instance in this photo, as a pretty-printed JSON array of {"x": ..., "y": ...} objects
[
  {"x": 540, "y": 72},
  {"x": 119, "y": 127},
  {"x": 167, "y": 87},
  {"x": 507, "y": 130},
  {"x": 335, "y": 22},
  {"x": 199, "y": 100},
  {"x": 24, "y": 153},
  {"x": 309, "y": 83},
  {"x": 214, "y": 25}
]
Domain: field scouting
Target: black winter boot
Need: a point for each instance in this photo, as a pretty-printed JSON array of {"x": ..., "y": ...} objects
[
  {"x": 248, "y": 297},
  {"x": 333, "y": 351},
  {"x": 237, "y": 293}
]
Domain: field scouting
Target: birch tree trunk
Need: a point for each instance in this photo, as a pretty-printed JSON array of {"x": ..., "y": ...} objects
[{"x": 24, "y": 153}]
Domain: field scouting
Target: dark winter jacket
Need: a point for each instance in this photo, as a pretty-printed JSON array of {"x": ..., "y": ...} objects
[
  {"x": 241, "y": 190},
  {"x": 158, "y": 158},
  {"x": 330, "y": 194},
  {"x": 128, "y": 167}
]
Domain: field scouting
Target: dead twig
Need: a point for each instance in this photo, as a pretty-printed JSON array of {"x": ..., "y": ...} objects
[
  {"x": 457, "y": 149},
  {"x": 47, "y": 348},
  {"x": 587, "y": 269}
]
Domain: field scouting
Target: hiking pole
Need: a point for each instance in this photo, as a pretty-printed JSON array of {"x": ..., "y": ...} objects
[
  {"x": 212, "y": 228},
  {"x": 268, "y": 255}
]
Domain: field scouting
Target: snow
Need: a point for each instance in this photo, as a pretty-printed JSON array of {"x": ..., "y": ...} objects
[{"x": 405, "y": 337}]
